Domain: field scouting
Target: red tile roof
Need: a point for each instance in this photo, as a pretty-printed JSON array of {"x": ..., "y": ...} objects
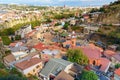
[
  {"x": 14, "y": 44},
  {"x": 9, "y": 58},
  {"x": 117, "y": 71},
  {"x": 91, "y": 53},
  {"x": 105, "y": 64},
  {"x": 96, "y": 47},
  {"x": 27, "y": 63},
  {"x": 40, "y": 46},
  {"x": 110, "y": 52}
]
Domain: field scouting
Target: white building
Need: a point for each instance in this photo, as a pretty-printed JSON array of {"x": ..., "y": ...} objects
[{"x": 24, "y": 30}]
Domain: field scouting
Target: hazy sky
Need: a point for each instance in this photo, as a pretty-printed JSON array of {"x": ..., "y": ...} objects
[{"x": 60, "y": 2}]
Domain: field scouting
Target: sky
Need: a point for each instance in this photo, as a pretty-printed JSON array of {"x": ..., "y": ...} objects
[{"x": 59, "y": 2}]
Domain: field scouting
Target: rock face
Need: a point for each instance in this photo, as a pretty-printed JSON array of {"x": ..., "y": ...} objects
[
  {"x": 2, "y": 49},
  {"x": 111, "y": 14}
]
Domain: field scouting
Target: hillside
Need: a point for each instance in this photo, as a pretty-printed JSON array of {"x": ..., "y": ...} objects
[
  {"x": 110, "y": 13},
  {"x": 108, "y": 33}
]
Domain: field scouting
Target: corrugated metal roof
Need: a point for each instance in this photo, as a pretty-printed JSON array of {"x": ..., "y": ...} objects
[{"x": 54, "y": 66}]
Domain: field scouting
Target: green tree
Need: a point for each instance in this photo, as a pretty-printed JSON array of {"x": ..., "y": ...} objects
[
  {"x": 12, "y": 77},
  {"x": 66, "y": 25},
  {"x": 3, "y": 73},
  {"x": 16, "y": 72},
  {"x": 88, "y": 75},
  {"x": 77, "y": 55},
  {"x": 6, "y": 40},
  {"x": 17, "y": 37},
  {"x": 117, "y": 66}
]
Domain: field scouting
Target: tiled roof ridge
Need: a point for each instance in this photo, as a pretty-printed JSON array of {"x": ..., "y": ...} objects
[{"x": 27, "y": 62}]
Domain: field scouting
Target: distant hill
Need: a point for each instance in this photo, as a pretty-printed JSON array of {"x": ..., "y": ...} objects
[{"x": 110, "y": 13}]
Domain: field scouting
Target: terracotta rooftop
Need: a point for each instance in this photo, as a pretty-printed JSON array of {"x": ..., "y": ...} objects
[
  {"x": 91, "y": 52},
  {"x": 109, "y": 53},
  {"x": 96, "y": 47},
  {"x": 63, "y": 76},
  {"x": 40, "y": 46},
  {"x": 27, "y": 63},
  {"x": 117, "y": 71},
  {"x": 9, "y": 58},
  {"x": 14, "y": 44},
  {"x": 105, "y": 64}
]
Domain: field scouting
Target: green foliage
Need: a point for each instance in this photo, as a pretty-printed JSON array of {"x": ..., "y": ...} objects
[
  {"x": 2, "y": 65},
  {"x": 35, "y": 23},
  {"x": 16, "y": 72},
  {"x": 75, "y": 28},
  {"x": 88, "y": 75},
  {"x": 66, "y": 25},
  {"x": 12, "y": 74},
  {"x": 117, "y": 66},
  {"x": 61, "y": 16},
  {"x": 48, "y": 20},
  {"x": 3, "y": 73},
  {"x": 12, "y": 77},
  {"x": 9, "y": 31},
  {"x": 6, "y": 40},
  {"x": 17, "y": 37},
  {"x": 94, "y": 10},
  {"x": 57, "y": 24},
  {"x": 77, "y": 55}
]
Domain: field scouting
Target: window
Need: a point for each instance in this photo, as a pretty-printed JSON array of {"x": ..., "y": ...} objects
[
  {"x": 37, "y": 66},
  {"x": 33, "y": 70}
]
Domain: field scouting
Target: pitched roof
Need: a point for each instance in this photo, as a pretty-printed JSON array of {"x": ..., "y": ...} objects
[
  {"x": 63, "y": 76},
  {"x": 12, "y": 44},
  {"x": 19, "y": 48},
  {"x": 50, "y": 52},
  {"x": 117, "y": 71},
  {"x": 9, "y": 58},
  {"x": 109, "y": 52},
  {"x": 91, "y": 52},
  {"x": 93, "y": 46},
  {"x": 16, "y": 44},
  {"x": 27, "y": 63},
  {"x": 105, "y": 64},
  {"x": 117, "y": 56},
  {"x": 40, "y": 46},
  {"x": 54, "y": 66}
]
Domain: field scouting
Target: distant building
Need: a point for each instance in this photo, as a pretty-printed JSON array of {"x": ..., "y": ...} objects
[
  {"x": 73, "y": 22},
  {"x": 24, "y": 30},
  {"x": 77, "y": 14}
]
